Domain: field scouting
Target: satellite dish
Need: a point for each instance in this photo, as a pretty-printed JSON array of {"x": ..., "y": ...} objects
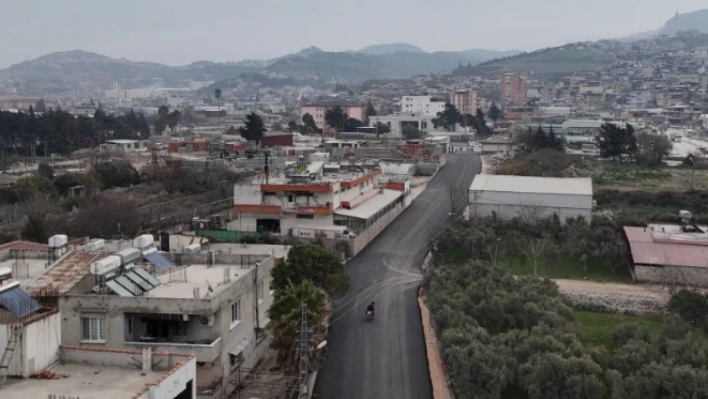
[{"x": 321, "y": 345}]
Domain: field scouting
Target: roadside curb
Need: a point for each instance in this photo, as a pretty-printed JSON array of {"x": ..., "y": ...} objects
[{"x": 438, "y": 379}]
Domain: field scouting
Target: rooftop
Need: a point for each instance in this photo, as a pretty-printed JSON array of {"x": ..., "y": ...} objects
[
  {"x": 667, "y": 245},
  {"x": 25, "y": 270},
  {"x": 24, "y": 246},
  {"x": 369, "y": 208},
  {"x": 67, "y": 272},
  {"x": 528, "y": 184},
  {"x": 201, "y": 277}
]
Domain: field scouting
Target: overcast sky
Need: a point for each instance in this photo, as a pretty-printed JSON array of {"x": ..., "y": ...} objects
[{"x": 178, "y": 32}]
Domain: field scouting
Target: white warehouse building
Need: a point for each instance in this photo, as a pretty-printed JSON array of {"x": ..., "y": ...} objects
[{"x": 530, "y": 197}]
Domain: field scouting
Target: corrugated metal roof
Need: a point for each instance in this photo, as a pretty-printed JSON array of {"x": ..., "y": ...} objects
[
  {"x": 68, "y": 271},
  {"x": 535, "y": 185},
  {"x": 24, "y": 246},
  {"x": 645, "y": 250}
]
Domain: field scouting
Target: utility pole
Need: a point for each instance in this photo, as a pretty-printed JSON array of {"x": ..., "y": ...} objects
[{"x": 303, "y": 378}]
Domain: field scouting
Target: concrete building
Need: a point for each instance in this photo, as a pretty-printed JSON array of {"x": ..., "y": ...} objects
[
  {"x": 426, "y": 105},
  {"x": 530, "y": 197},
  {"x": 513, "y": 90},
  {"x": 669, "y": 253},
  {"x": 98, "y": 372},
  {"x": 123, "y": 145},
  {"x": 215, "y": 308},
  {"x": 497, "y": 145},
  {"x": 466, "y": 101},
  {"x": 397, "y": 122},
  {"x": 318, "y": 111}
]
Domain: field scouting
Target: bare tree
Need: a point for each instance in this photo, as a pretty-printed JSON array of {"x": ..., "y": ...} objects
[
  {"x": 459, "y": 197},
  {"x": 534, "y": 251}
]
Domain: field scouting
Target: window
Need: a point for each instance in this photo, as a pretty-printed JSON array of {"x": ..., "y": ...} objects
[
  {"x": 235, "y": 313},
  {"x": 93, "y": 328},
  {"x": 235, "y": 360},
  {"x": 261, "y": 290},
  {"x": 305, "y": 216}
]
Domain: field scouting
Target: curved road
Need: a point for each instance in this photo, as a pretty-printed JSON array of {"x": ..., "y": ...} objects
[{"x": 385, "y": 359}]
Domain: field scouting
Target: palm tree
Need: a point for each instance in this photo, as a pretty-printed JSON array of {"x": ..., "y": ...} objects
[
  {"x": 286, "y": 313},
  {"x": 217, "y": 95}
]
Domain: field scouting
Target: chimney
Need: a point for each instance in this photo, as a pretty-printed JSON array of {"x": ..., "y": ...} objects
[{"x": 147, "y": 359}]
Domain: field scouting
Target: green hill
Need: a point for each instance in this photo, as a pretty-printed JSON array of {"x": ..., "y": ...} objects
[{"x": 555, "y": 61}]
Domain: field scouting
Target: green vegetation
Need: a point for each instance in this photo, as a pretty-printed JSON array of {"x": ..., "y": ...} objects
[
  {"x": 600, "y": 328},
  {"x": 540, "y": 247},
  {"x": 253, "y": 128},
  {"x": 558, "y": 61},
  {"x": 308, "y": 276},
  {"x": 566, "y": 268},
  {"x": 503, "y": 337},
  {"x": 616, "y": 174}
]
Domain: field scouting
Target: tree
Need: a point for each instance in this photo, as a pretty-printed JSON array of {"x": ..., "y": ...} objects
[
  {"x": 315, "y": 263},
  {"x": 293, "y": 127},
  {"x": 691, "y": 306},
  {"x": 277, "y": 127},
  {"x": 352, "y": 124},
  {"x": 615, "y": 141},
  {"x": 35, "y": 229},
  {"x": 253, "y": 129},
  {"x": 286, "y": 316},
  {"x": 652, "y": 148},
  {"x": 370, "y": 111},
  {"x": 117, "y": 173},
  {"x": 172, "y": 119},
  {"x": 482, "y": 129},
  {"x": 382, "y": 128},
  {"x": 534, "y": 251},
  {"x": 411, "y": 132},
  {"x": 449, "y": 117},
  {"x": 309, "y": 124},
  {"x": 217, "y": 96},
  {"x": 495, "y": 113},
  {"x": 336, "y": 118},
  {"x": 44, "y": 169},
  {"x": 161, "y": 121},
  {"x": 40, "y": 106}
]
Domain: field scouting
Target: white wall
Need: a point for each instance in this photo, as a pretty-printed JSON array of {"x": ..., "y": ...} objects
[
  {"x": 38, "y": 347},
  {"x": 391, "y": 168},
  {"x": 175, "y": 383},
  {"x": 247, "y": 194},
  {"x": 535, "y": 199}
]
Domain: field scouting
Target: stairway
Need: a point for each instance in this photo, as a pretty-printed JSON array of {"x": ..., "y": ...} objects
[{"x": 15, "y": 333}]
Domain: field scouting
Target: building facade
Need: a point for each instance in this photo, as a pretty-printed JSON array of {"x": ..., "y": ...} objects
[
  {"x": 530, "y": 198},
  {"x": 425, "y": 105},
  {"x": 466, "y": 101},
  {"x": 513, "y": 90},
  {"x": 397, "y": 122},
  {"x": 318, "y": 112}
]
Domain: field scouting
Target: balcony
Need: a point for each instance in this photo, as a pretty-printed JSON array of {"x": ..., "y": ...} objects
[{"x": 205, "y": 351}]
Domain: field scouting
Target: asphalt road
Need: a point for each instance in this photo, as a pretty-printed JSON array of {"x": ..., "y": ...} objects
[{"x": 385, "y": 359}]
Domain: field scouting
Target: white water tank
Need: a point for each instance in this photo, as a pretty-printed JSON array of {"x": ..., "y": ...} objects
[
  {"x": 193, "y": 248},
  {"x": 143, "y": 241},
  {"x": 105, "y": 265},
  {"x": 58, "y": 241}
]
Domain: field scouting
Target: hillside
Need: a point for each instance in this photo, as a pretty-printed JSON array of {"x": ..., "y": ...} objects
[
  {"x": 57, "y": 72},
  {"x": 390, "y": 48},
  {"x": 554, "y": 61},
  {"x": 697, "y": 20}
]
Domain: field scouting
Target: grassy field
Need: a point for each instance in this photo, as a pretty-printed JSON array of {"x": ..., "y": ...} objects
[
  {"x": 599, "y": 327},
  {"x": 566, "y": 269},
  {"x": 629, "y": 177}
]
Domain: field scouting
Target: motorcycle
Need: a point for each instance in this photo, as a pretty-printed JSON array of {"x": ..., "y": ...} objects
[{"x": 369, "y": 315}]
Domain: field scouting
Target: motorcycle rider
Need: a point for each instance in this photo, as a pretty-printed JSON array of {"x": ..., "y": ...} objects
[{"x": 370, "y": 308}]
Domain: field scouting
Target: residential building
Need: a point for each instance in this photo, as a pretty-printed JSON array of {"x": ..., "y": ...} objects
[
  {"x": 214, "y": 308},
  {"x": 530, "y": 197},
  {"x": 674, "y": 254},
  {"x": 277, "y": 139},
  {"x": 425, "y": 105},
  {"x": 122, "y": 145},
  {"x": 513, "y": 90},
  {"x": 397, "y": 122},
  {"x": 497, "y": 145},
  {"x": 97, "y": 372},
  {"x": 466, "y": 101},
  {"x": 318, "y": 111}
]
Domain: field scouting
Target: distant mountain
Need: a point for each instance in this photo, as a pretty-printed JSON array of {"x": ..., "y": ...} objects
[
  {"x": 390, "y": 48},
  {"x": 562, "y": 60},
  {"x": 57, "y": 72},
  {"x": 80, "y": 71},
  {"x": 696, "y": 20}
]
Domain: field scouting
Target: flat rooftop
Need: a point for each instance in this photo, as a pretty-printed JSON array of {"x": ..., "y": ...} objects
[
  {"x": 276, "y": 251},
  {"x": 25, "y": 270},
  {"x": 83, "y": 381},
  {"x": 533, "y": 185},
  {"x": 197, "y": 276}
]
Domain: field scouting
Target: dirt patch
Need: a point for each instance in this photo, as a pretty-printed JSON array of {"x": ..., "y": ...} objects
[{"x": 637, "y": 298}]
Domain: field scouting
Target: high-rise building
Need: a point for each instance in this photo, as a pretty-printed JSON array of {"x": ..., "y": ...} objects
[
  {"x": 466, "y": 101},
  {"x": 513, "y": 89},
  {"x": 426, "y": 105}
]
